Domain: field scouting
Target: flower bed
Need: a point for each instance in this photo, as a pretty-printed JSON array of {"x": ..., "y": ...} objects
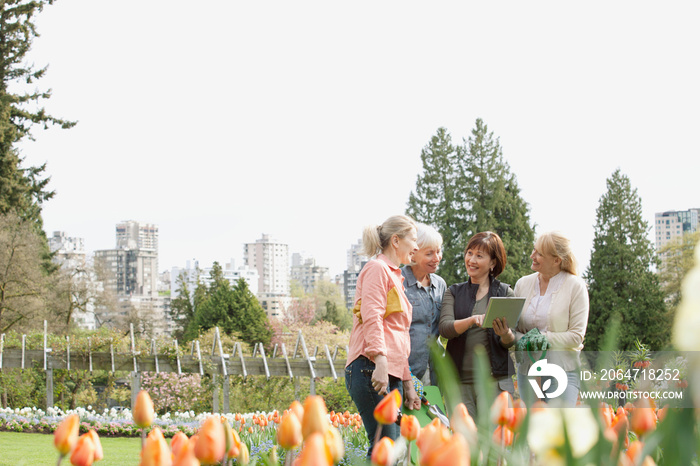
[{"x": 258, "y": 430}]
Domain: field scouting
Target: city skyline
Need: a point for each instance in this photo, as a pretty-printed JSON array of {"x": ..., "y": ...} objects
[{"x": 305, "y": 121}]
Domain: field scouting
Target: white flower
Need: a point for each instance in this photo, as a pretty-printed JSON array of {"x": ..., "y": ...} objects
[{"x": 546, "y": 432}]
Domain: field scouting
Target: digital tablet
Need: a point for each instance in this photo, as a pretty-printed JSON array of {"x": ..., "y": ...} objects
[{"x": 510, "y": 308}]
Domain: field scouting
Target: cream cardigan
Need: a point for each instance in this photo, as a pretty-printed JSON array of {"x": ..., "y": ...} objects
[{"x": 567, "y": 316}]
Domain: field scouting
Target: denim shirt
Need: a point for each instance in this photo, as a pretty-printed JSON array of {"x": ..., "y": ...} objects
[{"x": 426, "y": 317}]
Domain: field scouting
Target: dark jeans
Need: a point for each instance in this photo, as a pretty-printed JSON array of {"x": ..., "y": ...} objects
[{"x": 358, "y": 380}]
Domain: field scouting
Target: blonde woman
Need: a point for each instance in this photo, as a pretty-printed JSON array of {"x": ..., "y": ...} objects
[
  {"x": 379, "y": 341},
  {"x": 557, "y": 305}
]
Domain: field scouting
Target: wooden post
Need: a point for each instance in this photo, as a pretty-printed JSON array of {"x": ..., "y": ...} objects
[
  {"x": 215, "y": 403},
  {"x": 227, "y": 384},
  {"x": 135, "y": 388},
  {"x": 49, "y": 388}
]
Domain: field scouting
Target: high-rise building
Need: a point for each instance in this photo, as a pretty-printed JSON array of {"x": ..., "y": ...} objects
[
  {"x": 69, "y": 254},
  {"x": 307, "y": 273},
  {"x": 356, "y": 260},
  {"x": 129, "y": 273},
  {"x": 672, "y": 225},
  {"x": 271, "y": 260}
]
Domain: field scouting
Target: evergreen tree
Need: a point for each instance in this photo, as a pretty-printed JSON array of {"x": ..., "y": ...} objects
[
  {"x": 491, "y": 197},
  {"x": 468, "y": 189},
  {"x": 433, "y": 202},
  {"x": 620, "y": 274},
  {"x": 234, "y": 310},
  {"x": 22, "y": 190},
  {"x": 253, "y": 324}
]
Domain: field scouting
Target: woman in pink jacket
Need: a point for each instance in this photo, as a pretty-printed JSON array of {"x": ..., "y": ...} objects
[{"x": 379, "y": 341}]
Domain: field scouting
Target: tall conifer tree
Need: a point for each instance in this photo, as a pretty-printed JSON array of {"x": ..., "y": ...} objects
[
  {"x": 22, "y": 189},
  {"x": 622, "y": 283},
  {"x": 468, "y": 189}
]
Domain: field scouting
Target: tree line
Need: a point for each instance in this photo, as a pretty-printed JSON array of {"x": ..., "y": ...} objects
[
  {"x": 463, "y": 188},
  {"x": 469, "y": 187}
]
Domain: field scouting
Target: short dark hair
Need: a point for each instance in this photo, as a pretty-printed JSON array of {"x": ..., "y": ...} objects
[{"x": 491, "y": 243}]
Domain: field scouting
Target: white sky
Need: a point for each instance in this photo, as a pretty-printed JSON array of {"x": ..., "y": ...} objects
[{"x": 220, "y": 120}]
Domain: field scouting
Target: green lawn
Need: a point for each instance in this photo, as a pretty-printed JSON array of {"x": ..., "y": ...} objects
[{"x": 18, "y": 449}]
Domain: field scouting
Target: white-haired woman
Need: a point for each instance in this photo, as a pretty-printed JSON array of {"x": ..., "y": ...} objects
[
  {"x": 424, "y": 289},
  {"x": 557, "y": 305},
  {"x": 379, "y": 341}
]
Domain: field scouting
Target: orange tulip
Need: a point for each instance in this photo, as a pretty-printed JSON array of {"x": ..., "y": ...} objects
[
  {"x": 66, "y": 434},
  {"x": 335, "y": 444},
  {"x": 315, "y": 416},
  {"x": 315, "y": 452},
  {"x": 185, "y": 453},
  {"x": 143, "y": 410},
  {"x": 607, "y": 414},
  {"x": 410, "y": 427},
  {"x": 84, "y": 452},
  {"x": 519, "y": 413},
  {"x": 297, "y": 409},
  {"x": 211, "y": 444},
  {"x": 463, "y": 423},
  {"x": 233, "y": 441},
  {"x": 502, "y": 409},
  {"x": 177, "y": 442},
  {"x": 661, "y": 413},
  {"x": 155, "y": 451},
  {"x": 289, "y": 431},
  {"x": 387, "y": 411},
  {"x": 455, "y": 452},
  {"x": 383, "y": 452},
  {"x": 99, "y": 454},
  {"x": 643, "y": 418},
  {"x": 503, "y": 436},
  {"x": 432, "y": 437}
]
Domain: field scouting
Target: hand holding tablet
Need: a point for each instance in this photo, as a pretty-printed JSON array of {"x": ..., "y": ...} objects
[{"x": 508, "y": 308}]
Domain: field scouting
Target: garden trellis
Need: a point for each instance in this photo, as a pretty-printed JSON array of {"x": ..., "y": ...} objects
[{"x": 300, "y": 363}]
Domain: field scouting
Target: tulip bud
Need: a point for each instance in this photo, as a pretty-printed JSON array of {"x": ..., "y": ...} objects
[
  {"x": 233, "y": 441},
  {"x": 502, "y": 409},
  {"x": 185, "y": 452},
  {"x": 432, "y": 437},
  {"x": 99, "y": 454},
  {"x": 387, "y": 411},
  {"x": 297, "y": 409},
  {"x": 643, "y": 419},
  {"x": 143, "y": 410},
  {"x": 211, "y": 444},
  {"x": 315, "y": 452},
  {"x": 336, "y": 445},
  {"x": 84, "y": 452},
  {"x": 463, "y": 423},
  {"x": 66, "y": 434},
  {"x": 244, "y": 455},
  {"x": 315, "y": 416},
  {"x": 155, "y": 450},
  {"x": 410, "y": 427},
  {"x": 455, "y": 452},
  {"x": 383, "y": 452},
  {"x": 289, "y": 431},
  {"x": 519, "y": 413},
  {"x": 177, "y": 442},
  {"x": 503, "y": 436}
]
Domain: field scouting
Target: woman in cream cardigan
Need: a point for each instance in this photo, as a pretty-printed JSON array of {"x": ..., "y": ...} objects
[{"x": 556, "y": 304}]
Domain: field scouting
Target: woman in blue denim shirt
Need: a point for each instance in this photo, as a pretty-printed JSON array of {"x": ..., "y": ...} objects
[{"x": 424, "y": 290}]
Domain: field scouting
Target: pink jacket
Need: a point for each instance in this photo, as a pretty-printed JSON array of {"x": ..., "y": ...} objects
[{"x": 382, "y": 317}]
